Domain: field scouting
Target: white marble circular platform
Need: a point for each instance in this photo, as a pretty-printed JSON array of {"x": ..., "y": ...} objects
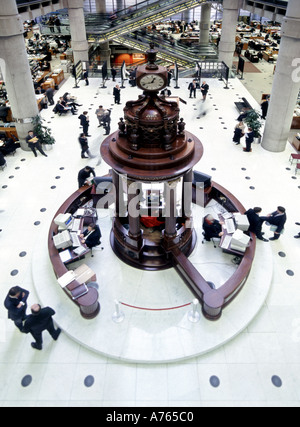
[{"x": 152, "y": 336}]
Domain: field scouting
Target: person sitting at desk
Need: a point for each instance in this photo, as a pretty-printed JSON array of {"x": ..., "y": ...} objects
[
  {"x": 84, "y": 174},
  {"x": 211, "y": 227},
  {"x": 8, "y": 146},
  {"x": 91, "y": 236},
  {"x": 255, "y": 222}
]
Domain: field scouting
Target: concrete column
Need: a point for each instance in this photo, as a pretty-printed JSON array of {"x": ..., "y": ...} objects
[
  {"x": 205, "y": 24},
  {"x": 15, "y": 69},
  {"x": 104, "y": 47},
  {"x": 229, "y": 21},
  {"x": 78, "y": 31},
  {"x": 105, "y": 53},
  {"x": 286, "y": 82},
  {"x": 100, "y": 6}
]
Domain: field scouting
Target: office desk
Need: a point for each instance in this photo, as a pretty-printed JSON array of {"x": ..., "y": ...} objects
[
  {"x": 58, "y": 77},
  {"x": 228, "y": 250},
  {"x": 88, "y": 303}
]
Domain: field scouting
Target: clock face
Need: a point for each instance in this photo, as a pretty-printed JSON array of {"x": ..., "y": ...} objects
[{"x": 152, "y": 82}]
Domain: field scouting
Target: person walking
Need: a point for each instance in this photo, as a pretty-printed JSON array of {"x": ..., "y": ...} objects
[
  {"x": 86, "y": 77},
  {"x": 38, "y": 321},
  {"x": 84, "y": 145},
  {"x": 50, "y": 94},
  {"x": 85, "y": 122},
  {"x": 239, "y": 132},
  {"x": 16, "y": 305},
  {"x": 117, "y": 94}
]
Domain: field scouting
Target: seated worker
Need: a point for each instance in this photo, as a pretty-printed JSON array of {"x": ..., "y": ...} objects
[
  {"x": 211, "y": 227},
  {"x": 91, "y": 236},
  {"x": 61, "y": 108},
  {"x": 84, "y": 174},
  {"x": 70, "y": 101},
  {"x": 255, "y": 222}
]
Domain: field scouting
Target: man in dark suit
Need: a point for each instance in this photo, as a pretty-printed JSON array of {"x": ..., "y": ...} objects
[
  {"x": 192, "y": 88},
  {"x": 34, "y": 143},
  {"x": 85, "y": 122},
  {"x": 117, "y": 94},
  {"x": 84, "y": 174},
  {"x": 211, "y": 227},
  {"x": 91, "y": 236},
  {"x": 16, "y": 304},
  {"x": 255, "y": 222},
  {"x": 278, "y": 219},
  {"x": 39, "y": 321}
]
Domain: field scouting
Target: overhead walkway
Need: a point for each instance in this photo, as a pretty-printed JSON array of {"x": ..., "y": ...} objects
[{"x": 101, "y": 29}]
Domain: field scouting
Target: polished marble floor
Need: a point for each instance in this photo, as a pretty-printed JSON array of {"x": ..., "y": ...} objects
[{"x": 257, "y": 367}]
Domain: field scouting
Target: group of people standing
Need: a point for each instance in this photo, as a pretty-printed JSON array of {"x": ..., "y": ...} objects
[
  {"x": 35, "y": 323},
  {"x": 193, "y": 85},
  {"x": 240, "y": 131},
  {"x": 276, "y": 220}
]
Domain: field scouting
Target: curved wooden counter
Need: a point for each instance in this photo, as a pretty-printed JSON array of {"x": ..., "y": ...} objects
[
  {"x": 88, "y": 303},
  {"x": 214, "y": 300}
]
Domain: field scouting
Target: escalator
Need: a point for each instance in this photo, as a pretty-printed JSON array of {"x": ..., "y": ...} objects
[
  {"x": 184, "y": 55},
  {"x": 101, "y": 27}
]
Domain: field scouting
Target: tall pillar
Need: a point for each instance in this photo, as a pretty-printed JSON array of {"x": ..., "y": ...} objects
[
  {"x": 105, "y": 51},
  {"x": 286, "y": 82},
  {"x": 205, "y": 24},
  {"x": 78, "y": 31},
  {"x": 100, "y": 6},
  {"x": 229, "y": 21},
  {"x": 15, "y": 68}
]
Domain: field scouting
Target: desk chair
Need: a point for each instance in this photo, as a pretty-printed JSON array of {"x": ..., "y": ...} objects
[
  {"x": 212, "y": 239},
  {"x": 297, "y": 168},
  {"x": 294, "y": 157},
  {"x": 3, "y": 166},
  {"x": 92, "y": 255}
]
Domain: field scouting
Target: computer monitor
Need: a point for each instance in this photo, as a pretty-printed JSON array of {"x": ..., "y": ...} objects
[
  {"x": 63, "y": 220},
  {"x": 239, "y": 241}
]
